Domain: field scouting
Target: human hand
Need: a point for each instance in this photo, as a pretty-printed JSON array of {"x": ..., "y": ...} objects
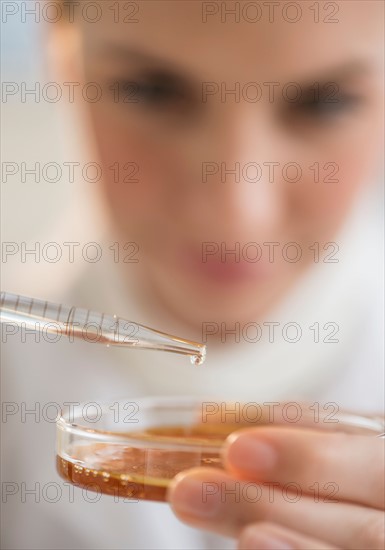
[{"x": 290, "y": 488}]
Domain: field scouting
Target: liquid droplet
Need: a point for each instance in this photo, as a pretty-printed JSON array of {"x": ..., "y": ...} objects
[{"x": 198, "y": 359}]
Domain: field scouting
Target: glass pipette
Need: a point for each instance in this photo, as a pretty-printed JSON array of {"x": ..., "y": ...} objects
[{"x": 92, "y": 326}]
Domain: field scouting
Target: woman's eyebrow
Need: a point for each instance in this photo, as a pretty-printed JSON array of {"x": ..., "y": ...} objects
[
  {"x": 341, "y": 73},
  {"x": 131, "y": 54}
]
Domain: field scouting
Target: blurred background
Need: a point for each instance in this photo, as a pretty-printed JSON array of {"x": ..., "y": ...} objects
[{"x": 35, "y": 133}]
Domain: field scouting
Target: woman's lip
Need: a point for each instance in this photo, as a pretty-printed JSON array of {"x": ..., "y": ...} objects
[{"x": 227, "y": 271}]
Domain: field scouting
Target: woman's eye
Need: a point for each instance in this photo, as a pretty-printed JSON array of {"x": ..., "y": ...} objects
[
  {"x": 158, "y": 93},
  {"x": 325, "y": 107},
  {"x": 152, "y": 93}
]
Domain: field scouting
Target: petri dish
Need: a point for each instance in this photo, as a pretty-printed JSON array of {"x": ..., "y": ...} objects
[{"x": 133, "y": 448}]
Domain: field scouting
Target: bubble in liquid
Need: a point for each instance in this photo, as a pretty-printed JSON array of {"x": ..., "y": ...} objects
[
  {"x": 64, "y": 465},
  {"x": 78, "y": 469},
  {"x": 210, "y": 460},
  {"x": 124, "y": 479}
]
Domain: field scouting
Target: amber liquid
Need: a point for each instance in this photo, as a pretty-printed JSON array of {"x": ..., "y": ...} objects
[{"x": 141, "y": 473}]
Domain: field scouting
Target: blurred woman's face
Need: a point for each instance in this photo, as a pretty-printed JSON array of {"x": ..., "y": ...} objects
[{"x": 223, "y": 140}]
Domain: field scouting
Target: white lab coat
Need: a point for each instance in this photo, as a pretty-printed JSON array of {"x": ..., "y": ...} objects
[{"x": 58, "y": 516}]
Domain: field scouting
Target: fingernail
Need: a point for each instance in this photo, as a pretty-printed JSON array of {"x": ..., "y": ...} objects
[
  {"x": 250, "y": 454},
  {"x": 195, "y": 497}
]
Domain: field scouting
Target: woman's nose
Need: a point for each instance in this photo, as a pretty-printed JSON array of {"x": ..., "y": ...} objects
[{"x": 240, "y": 174}]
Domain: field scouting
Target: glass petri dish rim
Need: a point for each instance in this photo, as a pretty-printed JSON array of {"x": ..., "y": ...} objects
[
  {"x": 140, "y": 439},
  {"x": 373, "y": 426}
]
